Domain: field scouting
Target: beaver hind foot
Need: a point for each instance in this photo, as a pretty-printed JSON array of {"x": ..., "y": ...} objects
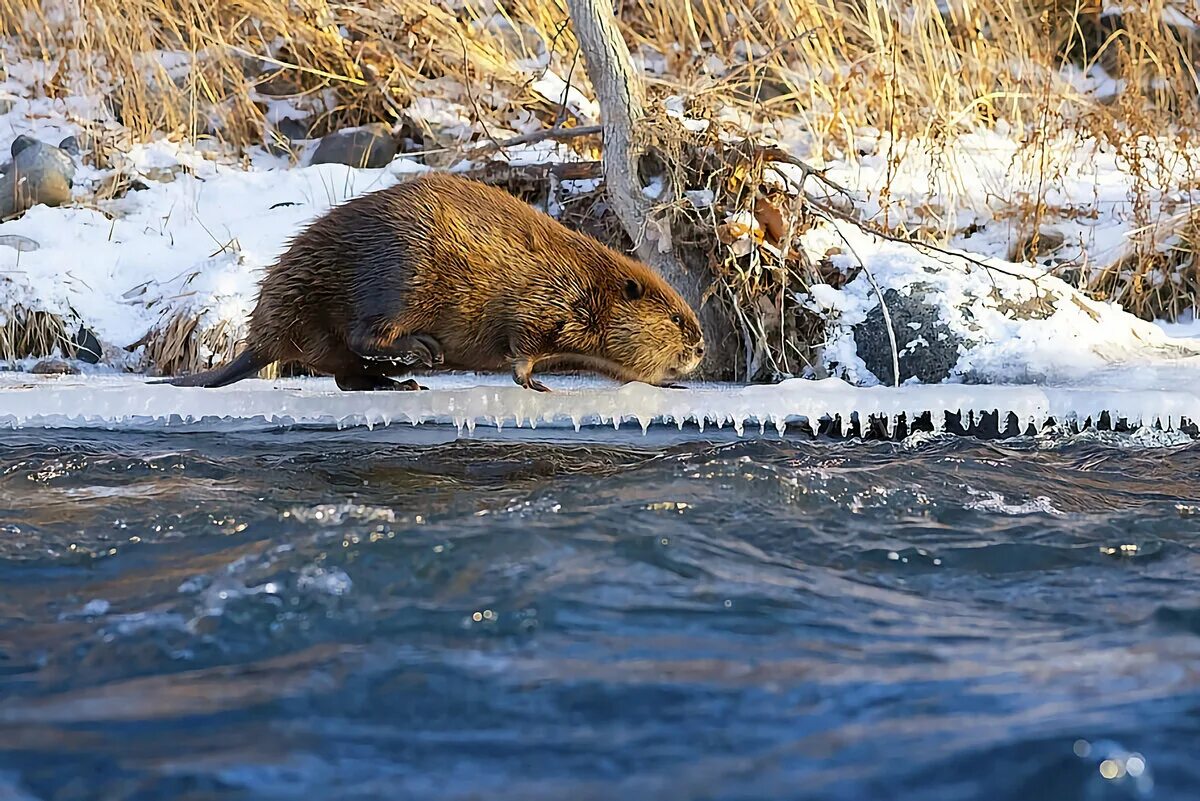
[
  {"x": 409, "y": 349},
  {"x": 362, "y": 382}
]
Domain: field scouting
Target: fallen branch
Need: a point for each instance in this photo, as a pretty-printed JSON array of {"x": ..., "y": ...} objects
[
  {"x": 556, "y": 133},
  {"x": 777, "y": 154},
  {"x": 502, "y": 173}
]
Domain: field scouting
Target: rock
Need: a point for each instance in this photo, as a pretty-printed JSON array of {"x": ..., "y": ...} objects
[
  {"x": 280, "y": 83},
  {"x": 1030, "y": 248},
  {"x": 54, "y": 367},
  {"x": 370, "y": 146},
  {"x": 294, "y": 130},
  {"x": 38, "y": 173},
  {"x": 87, "y": 346},
  {"x": 928, "y": 349}
]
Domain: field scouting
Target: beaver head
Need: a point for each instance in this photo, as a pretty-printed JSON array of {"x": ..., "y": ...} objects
[
  {"x": 652, "y": 332},
  {"x": 646, "y": 331}
]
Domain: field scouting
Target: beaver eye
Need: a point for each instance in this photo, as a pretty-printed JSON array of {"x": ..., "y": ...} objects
[{"x": 675, "y": 318}]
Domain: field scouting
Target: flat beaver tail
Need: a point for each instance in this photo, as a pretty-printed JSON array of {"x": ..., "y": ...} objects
[{"x": 244, "y": 366}]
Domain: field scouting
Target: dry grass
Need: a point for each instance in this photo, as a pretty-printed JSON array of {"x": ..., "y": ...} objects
[
  {"x": 902, "y": 68},
  {"x": 26, "y": 333}
]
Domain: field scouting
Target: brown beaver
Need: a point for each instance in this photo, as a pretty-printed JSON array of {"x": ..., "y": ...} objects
[{"x": 443, "y": 271}]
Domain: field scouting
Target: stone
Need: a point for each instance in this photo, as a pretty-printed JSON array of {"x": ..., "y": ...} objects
[
  {"x": 54, "y": 367},
  {"x": 39, "y": 173},
  {"x": 294, "y": 130},
  {"x": 87, "y": 346},
  {"x": 928, "y": 350},
  {"x": 370, "y": 146}
]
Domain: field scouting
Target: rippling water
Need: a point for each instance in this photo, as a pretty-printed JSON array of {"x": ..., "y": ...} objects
[{"x": 337, "y": 615}]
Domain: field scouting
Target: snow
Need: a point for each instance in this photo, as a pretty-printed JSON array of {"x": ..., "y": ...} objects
[{"x": 1164, "y": 395}]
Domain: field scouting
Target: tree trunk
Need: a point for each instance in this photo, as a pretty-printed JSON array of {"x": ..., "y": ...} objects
[{"x": 619, "y": 93}]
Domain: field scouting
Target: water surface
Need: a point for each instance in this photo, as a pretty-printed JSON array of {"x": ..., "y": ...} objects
[{"x": 349, "y": 615}]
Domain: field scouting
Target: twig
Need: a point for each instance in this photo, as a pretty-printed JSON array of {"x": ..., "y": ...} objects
[
  {"x": 467, "y": 85},
  {"x": 556, "y": 133},
  {"x": 771, "y": 153},
  {"x": 887, "y": 316},
  {"x": 488, "y": 146}
]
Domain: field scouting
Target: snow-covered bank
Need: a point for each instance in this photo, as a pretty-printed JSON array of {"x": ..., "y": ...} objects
[
  {"x": 196, "y": 245},
  {"x": 1164, "y": 395}
]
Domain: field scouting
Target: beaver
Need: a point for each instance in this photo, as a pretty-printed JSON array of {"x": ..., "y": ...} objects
[{"x": 449, "y": 273}]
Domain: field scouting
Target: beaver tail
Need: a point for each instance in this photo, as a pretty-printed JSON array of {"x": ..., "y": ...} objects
[{"x": 244, "y": 366}]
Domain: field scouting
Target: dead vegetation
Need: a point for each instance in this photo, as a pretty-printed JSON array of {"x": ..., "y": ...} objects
[
  {"x": 850, "y": 71},
  {"x": 26, "y": 333}
]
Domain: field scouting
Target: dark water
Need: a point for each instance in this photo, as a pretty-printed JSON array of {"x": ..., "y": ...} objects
[{"x": 341, "y": 616}]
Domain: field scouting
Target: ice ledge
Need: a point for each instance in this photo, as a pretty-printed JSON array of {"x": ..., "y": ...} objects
[{"x": 1168, "y": 396}]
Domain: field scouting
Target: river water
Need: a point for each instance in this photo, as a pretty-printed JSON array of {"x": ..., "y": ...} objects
[{"x": 350, "y": 615}]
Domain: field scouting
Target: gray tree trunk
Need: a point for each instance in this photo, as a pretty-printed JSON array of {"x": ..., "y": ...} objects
[{"x": 619, "y": 93}]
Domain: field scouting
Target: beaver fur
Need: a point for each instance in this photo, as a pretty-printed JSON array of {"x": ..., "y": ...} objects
[{"x": 440, "y": 271}]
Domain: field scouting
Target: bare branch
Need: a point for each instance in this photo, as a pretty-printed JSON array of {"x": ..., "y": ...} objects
[{"x": 556, "y": 133}]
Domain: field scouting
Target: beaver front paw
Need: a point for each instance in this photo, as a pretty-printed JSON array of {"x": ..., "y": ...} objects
[{"x": 522, "y": 373}]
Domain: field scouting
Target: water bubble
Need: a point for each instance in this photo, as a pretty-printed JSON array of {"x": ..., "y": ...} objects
[{"x": 1082, "y": 748}]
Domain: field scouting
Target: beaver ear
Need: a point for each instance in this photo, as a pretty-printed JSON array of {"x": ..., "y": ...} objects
[{"x": 633, "y": 289}]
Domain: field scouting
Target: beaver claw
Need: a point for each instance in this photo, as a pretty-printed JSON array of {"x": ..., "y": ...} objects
[{"x": 537, "y": 386}]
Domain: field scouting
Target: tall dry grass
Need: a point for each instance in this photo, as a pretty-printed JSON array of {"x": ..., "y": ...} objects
[{"x": 905, "y": 68}]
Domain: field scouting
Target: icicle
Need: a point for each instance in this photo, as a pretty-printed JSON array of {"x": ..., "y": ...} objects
[
  {"x": 645, "y": 421},
  {"x": 738, "y": 424},
  {"x": 680, "y": 421},
  {"x": 575, "y": 421},
  {"x": 762, "y": 427},
  {"x": 700, "y": 421},
  {"x": 616, "y": 422},
  {"x": 470, "y": 426},
  {"x": 780, "y": 424}
]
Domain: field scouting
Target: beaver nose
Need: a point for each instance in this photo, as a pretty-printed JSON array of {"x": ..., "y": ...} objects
[{"x": 700, "y": 349}]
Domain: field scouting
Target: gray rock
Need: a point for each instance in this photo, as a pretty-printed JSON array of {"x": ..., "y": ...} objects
[
  {"x": 87, "y": 346},
  {"x": 54, "y": 367},
  {"x": 928, "y": 349},
  {"x": 38, "y": 173},
  {"x": 294, "y": 129},
  {"x": 369, "y": 146}
]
